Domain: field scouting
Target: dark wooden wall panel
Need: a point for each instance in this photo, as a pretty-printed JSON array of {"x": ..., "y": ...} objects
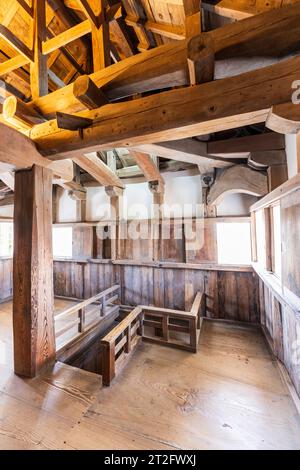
[
  {"x": 230, "y": 295},
  {"x": 69, "y": 279}
]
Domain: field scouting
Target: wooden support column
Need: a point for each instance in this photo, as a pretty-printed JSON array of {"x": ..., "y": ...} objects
[
  {"x": 209, "y": 210},
  {"x": 192, "y": 10},
  {"x": 38, "y": 69},
  {"x": 100, "y": 38},
  {"x": 157, "y": 189},
  {"x": 201, "y": 59},
  {"x": 33, "y": 325},
  {"x": 298, "y": 152},
  {"x": 115, "y": 193}
]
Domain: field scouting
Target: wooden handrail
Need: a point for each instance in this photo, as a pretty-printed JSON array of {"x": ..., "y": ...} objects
[
  {"x": 86, "y": 302},
  {"x": 103, "y": 307},
  {"x": 117, "y": 330},
  {"x": 118, "y": 343}
]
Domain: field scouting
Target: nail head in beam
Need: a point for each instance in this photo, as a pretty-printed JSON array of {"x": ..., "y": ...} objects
[
  {"x": 85, "y": 91},
  {"x": 72, "y": 122},
  {"x": 201, "y": 59}
]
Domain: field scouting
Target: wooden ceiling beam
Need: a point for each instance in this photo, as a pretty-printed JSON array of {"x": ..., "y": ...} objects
[
  {"x": 16, "y": 43},
  {"x": 185, "y": 150},
  {"x": 147, "y": 166},
  {"x": 264, "y": 34},
  {"x": 19, "y": 115},
  {"x": 180, "y": 113},
  {"x": 88, "y": 11},
  {"x": 241, "y": 147},
  {"x": 18, "y": 152},
  {"x": 23, "y": 4},
  {"x": 64, "y": 38},
  {"x": 12, "y": 64},
  {"x": 93, "y": 165}
]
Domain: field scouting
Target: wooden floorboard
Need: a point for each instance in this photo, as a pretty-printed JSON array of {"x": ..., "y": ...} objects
[{"x": 228, "y": 396}]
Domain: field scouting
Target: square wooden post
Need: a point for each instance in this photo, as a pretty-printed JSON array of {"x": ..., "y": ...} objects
[{"x": 33, "y": 322}]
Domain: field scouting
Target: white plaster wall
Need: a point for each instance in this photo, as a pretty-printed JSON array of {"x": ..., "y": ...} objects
[
  {"x": 97, "y": 204},
  {"x": 236, "y": 205},
  {"x": 66, "y": 208},
  {"x": 182, "y": 194},
  {"x": 291, "y": 154},
  {"x": 7, "y": 211}
]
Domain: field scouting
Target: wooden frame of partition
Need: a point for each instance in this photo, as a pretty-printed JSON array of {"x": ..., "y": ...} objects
[{"x": 121, "y": 342}]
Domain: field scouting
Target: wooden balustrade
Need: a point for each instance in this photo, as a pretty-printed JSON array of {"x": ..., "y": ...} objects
[
  {"x": 85, "y": 315},
  {"x": 168, "y": 326},
  {"x": 120, "y": 343}
]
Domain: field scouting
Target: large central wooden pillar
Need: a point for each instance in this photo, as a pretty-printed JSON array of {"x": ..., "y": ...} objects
[{"x": 33, "y": 325}]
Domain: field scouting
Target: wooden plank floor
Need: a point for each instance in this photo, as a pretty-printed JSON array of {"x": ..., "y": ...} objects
[{"x": 228, "y": 396}]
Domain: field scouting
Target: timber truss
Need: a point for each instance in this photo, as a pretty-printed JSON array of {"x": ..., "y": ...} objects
[{"x": 129, "y": 90}]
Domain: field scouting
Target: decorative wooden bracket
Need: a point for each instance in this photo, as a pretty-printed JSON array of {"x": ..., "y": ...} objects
[{"x": 72, "y": 122}]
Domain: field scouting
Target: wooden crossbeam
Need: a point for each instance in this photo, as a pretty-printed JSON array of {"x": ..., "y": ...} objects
[
  {"x": 241, "y": 147},
  {"x": 18, "y": 114},
  {"x": 181, "y": 113},
  {"x": 26, "y": 7},
  {"x": 148, "y": 167},
  {"x": 186, "y": 150},
  {"x": 88, "y": 11},
  {"x": 18, "y": 152},
  {"x": 66, "y": 37},
  {"x": 93, "y": 165},
  {"x": 165, "y": 66},
  {"x": 12, "y": 64},
  {"x": 16, "y": 43}
]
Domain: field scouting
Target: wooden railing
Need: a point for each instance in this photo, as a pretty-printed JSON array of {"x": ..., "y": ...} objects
[
  {"x": 168, "y": 326},
  {"x": 84, "y": 316},
  {"x": 120, "y": 343}
]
